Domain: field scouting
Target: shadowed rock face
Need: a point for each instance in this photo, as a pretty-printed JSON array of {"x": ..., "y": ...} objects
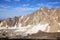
[
  {"x": 12, "y": 21},
  {"x": 0, "y": 21},
  {"x": 41, "y": 16}
]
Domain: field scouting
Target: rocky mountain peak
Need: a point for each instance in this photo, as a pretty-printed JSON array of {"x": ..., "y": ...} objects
[{"x": 45, "y": 19}]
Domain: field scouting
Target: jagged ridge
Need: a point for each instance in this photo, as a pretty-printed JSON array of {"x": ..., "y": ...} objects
[{"x": 41, "y": 16}]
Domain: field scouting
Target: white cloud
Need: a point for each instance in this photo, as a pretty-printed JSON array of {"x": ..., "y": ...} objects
[
  {"x": 16, "y": 0},
  {"x": 8, "y": 0},
  {"x": 40, "y": 4},
  {"x": 3, "y": 6},
  {"x": 50, "y": 4},
  {"x": 24, "y": 5},
  {"x": 53, "y": 2},
  {"x": 25, "y": 8},
  {"x": 28, "y": 0},
  {"x": 12, "y": 0},
  {"x": 11, "y": 12},
  {"x": 9, "y": 8}
]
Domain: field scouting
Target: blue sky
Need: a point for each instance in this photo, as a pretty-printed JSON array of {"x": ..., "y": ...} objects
[{"x": 11, "y": 8}]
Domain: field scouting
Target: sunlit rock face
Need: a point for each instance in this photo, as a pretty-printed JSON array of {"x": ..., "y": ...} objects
[{"x": 46, "y": 20}]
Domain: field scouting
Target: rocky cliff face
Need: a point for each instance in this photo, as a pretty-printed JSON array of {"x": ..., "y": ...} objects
[{"x": 46, "y": 20}]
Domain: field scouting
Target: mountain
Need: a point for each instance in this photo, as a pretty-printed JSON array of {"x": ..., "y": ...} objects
[{"x": 44, "y": 19}]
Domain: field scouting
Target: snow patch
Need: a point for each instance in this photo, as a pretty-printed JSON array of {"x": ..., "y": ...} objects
[
  {"x": 59, "y": 23},
  {"x": 21, "y": 17},
  {"x": 58, "y": 31},
  {"x": 48, "y": 29},
  {"x": 36, "y": 28}
]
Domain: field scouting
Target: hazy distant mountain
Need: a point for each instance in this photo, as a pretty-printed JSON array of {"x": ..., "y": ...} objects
[{"x": 46, "y": 20}]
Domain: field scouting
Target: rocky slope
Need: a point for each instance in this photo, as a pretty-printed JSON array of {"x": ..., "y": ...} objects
[{"x": 46, "y": 20}]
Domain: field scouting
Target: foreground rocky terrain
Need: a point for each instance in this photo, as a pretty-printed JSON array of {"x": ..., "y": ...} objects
[
  {"x": 7, "y": 33},
  {"x": 43, "y": 23}
]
